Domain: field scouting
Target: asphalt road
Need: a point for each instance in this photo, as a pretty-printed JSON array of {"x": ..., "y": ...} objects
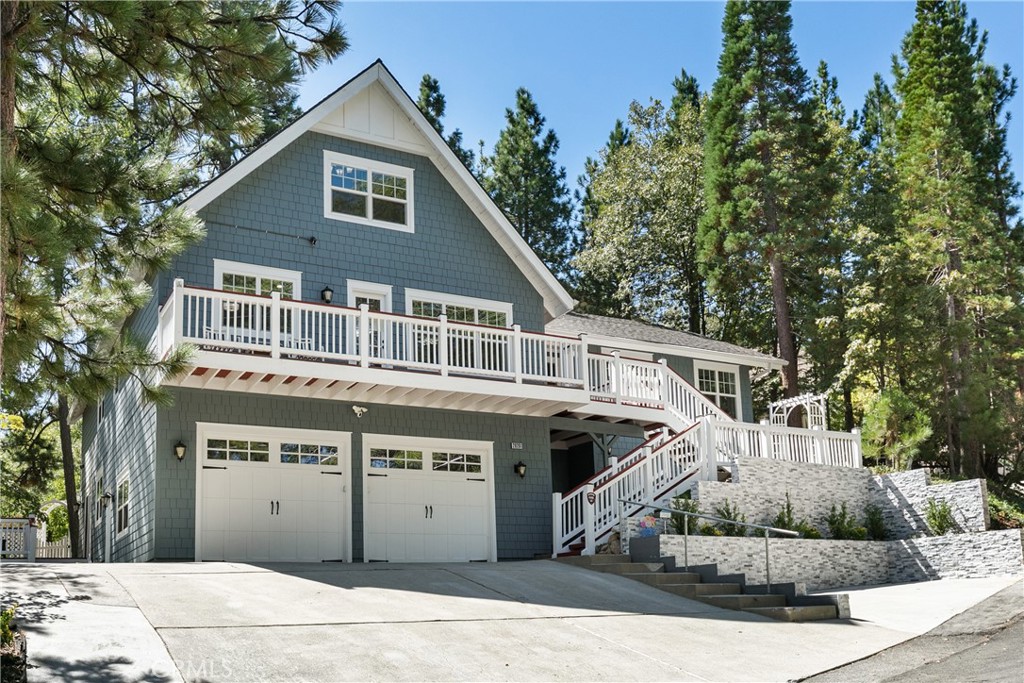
[{"x": 985, "y": 643}]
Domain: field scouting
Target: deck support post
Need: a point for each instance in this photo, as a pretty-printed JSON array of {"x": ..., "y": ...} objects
[
  {"x": 275, "y": 324},
  {"x": 517, "y": 353},
  {"x": 589, "y": 530},
  {"x": 556, "y": 524},
  {"x": 442, "y": 344}
]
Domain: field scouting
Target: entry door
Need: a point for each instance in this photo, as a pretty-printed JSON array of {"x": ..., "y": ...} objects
[
  {"x": 427, "y": 501},
  {"x": 277, "y": 496}
]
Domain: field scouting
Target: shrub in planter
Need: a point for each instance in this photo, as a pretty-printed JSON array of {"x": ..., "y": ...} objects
[
  {"x": 787, "y": 520},
  {"x": 731, "y": 513},
  {"x": 874, "y": 522},
  {"x": 679, "y": 524},
  {"x": 939, "y": 516},
  {"x": 843, "y": 526}
]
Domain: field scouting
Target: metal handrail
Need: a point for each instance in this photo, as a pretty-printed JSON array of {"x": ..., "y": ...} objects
[{"x": 686, "y": 531}]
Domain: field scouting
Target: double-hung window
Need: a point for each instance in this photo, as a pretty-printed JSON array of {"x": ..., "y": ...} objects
[
  {"x": 368, "y": 192},
  {"x": 122, "y": 505},
  {"x": 720, "y": 384},
  {"x": 242, "y": 317}
]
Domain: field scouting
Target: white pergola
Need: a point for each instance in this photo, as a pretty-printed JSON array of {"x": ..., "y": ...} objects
[{"x": 813, "y": 409}]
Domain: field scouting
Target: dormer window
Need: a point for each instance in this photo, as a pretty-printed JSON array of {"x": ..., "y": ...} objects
[{"x": 367, "y": 192}]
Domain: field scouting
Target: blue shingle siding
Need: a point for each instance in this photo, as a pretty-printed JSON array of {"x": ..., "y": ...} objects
[
  {"x": 522, "y": 506},
  {"x": 450, "y": 250},
  {"x": 123, "y": 443}
]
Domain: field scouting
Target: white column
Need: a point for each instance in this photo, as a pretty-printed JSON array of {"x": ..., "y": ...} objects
[
  {"x": 710, "y": 464},
  {"x": 442, "y": 344},
  {"x": 617, "y": 364},
  {"x": 556, "y": 524},
  {"x": 275, "y": 324},
  {"x": 589, "y": 525},
  {"x": 364, "y": 335},
  {"x": 664, "y": 383},
  {"x": 517, "y": 352},
  {"x": 178, "y": 311},
  {"x": 31, "y": 539},
  {"x": 858, "y": 456},
  {"x": 584, "y": 362}
]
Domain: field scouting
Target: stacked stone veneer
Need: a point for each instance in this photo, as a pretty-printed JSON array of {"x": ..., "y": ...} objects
[
  {"x": 827, "y": 564},
  {"x": 759, "y": 487}
]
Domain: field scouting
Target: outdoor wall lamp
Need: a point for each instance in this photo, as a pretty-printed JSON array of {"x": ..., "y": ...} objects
[
  {"x": 327, "y": 295},
  {"x": 179, "y": 451},
  {"x": 105, "y": 499},
  {"x": 520, "y": 469}
]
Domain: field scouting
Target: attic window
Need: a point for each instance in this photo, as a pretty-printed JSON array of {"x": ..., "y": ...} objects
[{"x": 367, "y": 192}]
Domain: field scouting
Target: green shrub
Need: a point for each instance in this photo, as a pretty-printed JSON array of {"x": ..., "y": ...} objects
[
  {"x": 6, "y": 635},
  {"x": 1005, "y": 513},
  {"x": 843, "y": 526},
  {"x": 785, "y": 519},
  {"x": 939, "y": 516},
  {"x": 806, "y": 530},
  {"x": 679, "y": 524},
  {"x": 874, "y": 522},
  {"x": 730, "y": 513},
  {"x": 710, "y": 530}
]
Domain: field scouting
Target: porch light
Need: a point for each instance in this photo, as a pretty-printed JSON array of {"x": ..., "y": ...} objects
[
  {"x": 520, "y": 469},
  {"x": 327, "y": 295},
  {"x": 179, "y": 451}
]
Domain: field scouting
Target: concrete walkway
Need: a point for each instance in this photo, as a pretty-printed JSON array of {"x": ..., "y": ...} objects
[{"x": 509, "y": 621}]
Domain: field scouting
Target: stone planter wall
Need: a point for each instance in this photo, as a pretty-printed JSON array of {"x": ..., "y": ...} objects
[
  {"x": 759, "y": 487},
  {"x": 826, "y": 564}
]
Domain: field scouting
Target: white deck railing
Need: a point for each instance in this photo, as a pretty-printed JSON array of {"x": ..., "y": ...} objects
[{"x": 731, "y": 440}]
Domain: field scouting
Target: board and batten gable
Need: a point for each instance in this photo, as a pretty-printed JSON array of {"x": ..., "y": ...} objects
[{"x": 450, "y": 251}]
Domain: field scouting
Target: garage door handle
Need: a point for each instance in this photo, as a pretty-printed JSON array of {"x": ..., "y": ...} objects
[
  {"x": 424, "y": 512},
  {"x": 213, "y": 467},
  {"x": 278, "y": 510},
  {"x": 271, "y": 507},
  {"x": 431, "y": 511},
  {"x": 474, "y": 479},
  {"x": 334, "y": 473},
  {"x": 371, "y": 474}
]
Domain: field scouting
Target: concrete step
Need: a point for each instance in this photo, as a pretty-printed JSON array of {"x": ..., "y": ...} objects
[
  {"x": 591, "y": 560},
  {"x": 695, "y": 590},
  {"x": 628, "y": 567},
  {"x": 665, "y": 578},
  {"x": 743, "y": 601},
  {"x": 801, "y": 613}
]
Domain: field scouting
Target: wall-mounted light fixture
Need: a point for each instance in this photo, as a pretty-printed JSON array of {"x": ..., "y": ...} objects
[
  {"x": 179, "y": 450},
  {"x": 106, "y": 498},
  {"x": 520, "y": 469},
  {"x": 327, "y": 295},
  {"x": 359, "y": 410}
]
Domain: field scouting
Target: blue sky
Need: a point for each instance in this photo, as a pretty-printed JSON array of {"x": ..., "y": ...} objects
[{"x": 585, "y": 62}]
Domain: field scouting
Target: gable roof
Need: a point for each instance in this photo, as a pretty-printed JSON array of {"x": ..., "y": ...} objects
[
  {"x": 556, "y": 300},
  {"x": 657, "y": 339}
]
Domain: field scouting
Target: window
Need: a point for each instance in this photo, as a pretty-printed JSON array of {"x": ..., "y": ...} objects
[
  {"x": 367, "y": 192},
  {"x": 237, "y": 450},
  {"x": 720, "y": 384},
  {"x": 98, "y": 500},
  {"x": 377, "y": 297},
  {"x": 247, "y": 278},
  {"x": 122, "y": 505},
  {"x": 459, "y": 309},
  {"x": 309, "y": 454}
]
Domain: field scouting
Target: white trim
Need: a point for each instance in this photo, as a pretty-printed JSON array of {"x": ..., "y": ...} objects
[
  {"x": 484, "y": 448},
  {"x": 356, "y": 288},
  {"x": 556, "y": 300},
  {"x": 699, "y": 365},
  {"x": 370, "y": 166},
  {"x": 207, "y": 430},
  {"x": 457, "y": 300},
  {"x": 682, "y": 351},
  {"x": 222, "y": 267}
]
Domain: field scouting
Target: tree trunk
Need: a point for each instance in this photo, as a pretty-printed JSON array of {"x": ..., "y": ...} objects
[
  {"x": 68, "y": 459},
  {"x": 784, "y": 328},
  {"x": 847, "y": 408},
  {"x": 8, "y": 141}
]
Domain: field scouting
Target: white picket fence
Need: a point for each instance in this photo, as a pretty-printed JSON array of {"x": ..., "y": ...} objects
[{"x": 21, "y": 538}]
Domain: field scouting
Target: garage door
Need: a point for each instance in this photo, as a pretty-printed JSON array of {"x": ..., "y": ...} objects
[
  {"x": 427, "y": 500},
  {"x": 270, "y": 495}
]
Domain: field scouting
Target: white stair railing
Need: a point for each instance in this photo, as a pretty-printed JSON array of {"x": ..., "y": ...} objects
[{"x": 652, "y": 473}]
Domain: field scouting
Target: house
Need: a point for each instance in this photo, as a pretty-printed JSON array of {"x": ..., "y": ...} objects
[{"x": 384, "y": 371}]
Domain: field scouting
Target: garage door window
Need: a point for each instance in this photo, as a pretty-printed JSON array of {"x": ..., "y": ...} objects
[
  {"x": 456, "y": 462},
  {"x": 237, "y": 450},
  {"x": 394, "y": 459},
  {"x": 309, "y": 454}
]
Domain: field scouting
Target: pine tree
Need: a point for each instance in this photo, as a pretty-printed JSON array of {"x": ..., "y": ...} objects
[
  {"x": 525, "y": 181},
  {"x": 953, "y": 220},
  {"x": 766, "y": 169},
  {"x": 96, "y": 154},
  {"x": 432, "y": 103}
]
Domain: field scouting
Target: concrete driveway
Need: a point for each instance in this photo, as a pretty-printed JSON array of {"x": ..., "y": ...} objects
[{"x": 536, "y": 620}]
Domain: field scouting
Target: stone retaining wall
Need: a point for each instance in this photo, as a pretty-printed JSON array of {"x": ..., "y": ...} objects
[
  {"x": 827, "y": 564},
  {"x": 759, "y": 487}
]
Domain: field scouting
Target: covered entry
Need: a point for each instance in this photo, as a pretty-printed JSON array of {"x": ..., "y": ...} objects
[
  {"x": 272, "y": 495},
  {"x": 427, "y": 500}
]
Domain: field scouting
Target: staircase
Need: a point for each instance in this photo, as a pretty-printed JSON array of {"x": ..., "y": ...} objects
[{"x": 728, "y": 592}]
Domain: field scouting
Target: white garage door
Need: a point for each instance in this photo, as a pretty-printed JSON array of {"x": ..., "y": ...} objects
[
  {"x": 427, "y": 500},
  {"x": 272, "y": 495}
]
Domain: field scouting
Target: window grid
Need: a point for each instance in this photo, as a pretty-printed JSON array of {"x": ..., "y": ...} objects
[
  {"x": 719, "y": 386},
  {"x": 122, "y": 505},
  {"x": 237, "y": 450},
  {"x": 459, "y": 313},
  {"x": 293, "y": 453},
  {"x": 396, "y": 459},
  {"x": 456, "y": 462},
  {"x": 384, "y": 198}
]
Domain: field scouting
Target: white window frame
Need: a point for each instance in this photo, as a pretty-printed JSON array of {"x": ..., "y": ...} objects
[
  {"x": 699, "y": 365},
  {"x": 364, "y": 289},
  {"x": 118, "y": 504},
  {"x": 371, "y": 166},
  {"x": 98, "y": 491},
  {"x": 456, "y": 300},
  {"x": 222, "y": 268}
]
